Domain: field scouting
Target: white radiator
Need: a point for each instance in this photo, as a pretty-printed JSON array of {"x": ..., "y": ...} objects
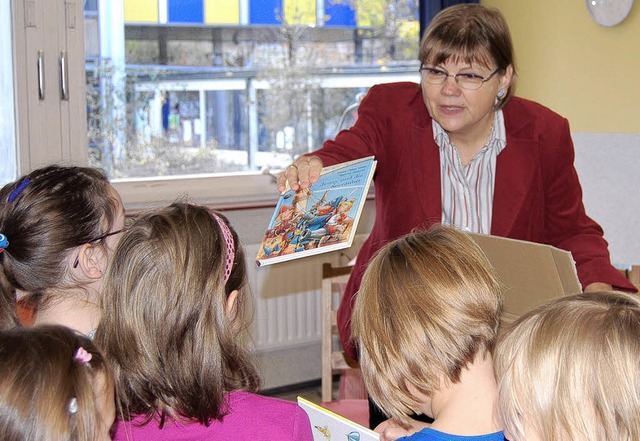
[{"x": 286, "y": 300}]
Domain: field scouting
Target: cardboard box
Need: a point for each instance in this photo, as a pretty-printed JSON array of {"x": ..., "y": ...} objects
[{"x": 532, "y": 273}]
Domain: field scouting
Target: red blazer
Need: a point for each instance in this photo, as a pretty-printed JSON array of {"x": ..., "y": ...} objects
[{"x": 537, "y": 194}]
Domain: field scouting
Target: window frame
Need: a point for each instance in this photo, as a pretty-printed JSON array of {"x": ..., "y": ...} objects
[{"x": 233, "y": 190}]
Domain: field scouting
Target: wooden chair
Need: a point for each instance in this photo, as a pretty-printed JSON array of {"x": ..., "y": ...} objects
[
  {"x": 333, "y": 282},
  {"x": 633, "y": 274}
]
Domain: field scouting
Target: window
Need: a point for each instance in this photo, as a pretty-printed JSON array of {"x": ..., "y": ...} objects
[
  {"x": 201, "y": 96},
  {"x": 203, "y": 91},
  {"x": 8, "y": 152}
]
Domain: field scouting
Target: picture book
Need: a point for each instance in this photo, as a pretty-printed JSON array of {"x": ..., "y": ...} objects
[
  {"x": 319, "y": 219},
  {"x": 327, "y": 425}
]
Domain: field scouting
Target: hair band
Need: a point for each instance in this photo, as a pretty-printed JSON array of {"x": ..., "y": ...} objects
[
  {"x": 21, "y": 186},
  {"x": 82, "y": 356},
  {"x": 4, "y": 242},
  {"x": 228, "y": 239}
]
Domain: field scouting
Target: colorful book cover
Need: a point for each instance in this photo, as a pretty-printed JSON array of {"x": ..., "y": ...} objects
[
  {"x": 327, "y": 425},
  {"x": 320, "y": 219}
]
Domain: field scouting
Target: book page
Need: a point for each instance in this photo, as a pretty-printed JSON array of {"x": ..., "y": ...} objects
[
  {"x": 327, "y": 425},
  {"x": 320, "y": 219}
]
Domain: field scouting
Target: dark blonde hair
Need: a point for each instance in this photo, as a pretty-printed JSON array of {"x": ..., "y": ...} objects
[
  {"x": 174, "y": 350},
  {"x": 45, "y": 214},
  {"x": 39, "y": 377},
  {"x": 470, "y": 33},
  {"x": 570, "y": 370},
  {"x": 429, "y": 303}
]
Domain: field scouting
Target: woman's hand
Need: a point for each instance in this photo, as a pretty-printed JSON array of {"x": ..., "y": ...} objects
[
  {"x": 303, "y": 172},
  {"x": 391, "y": 430},
  {"x": 597, "y": 286}
]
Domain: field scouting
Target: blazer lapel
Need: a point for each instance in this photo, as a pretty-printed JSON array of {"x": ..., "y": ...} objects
[
  {"x": 516, "y": 167},
  {"x": 425, "y": 159}
]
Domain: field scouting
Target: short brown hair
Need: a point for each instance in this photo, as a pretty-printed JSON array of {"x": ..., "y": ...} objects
[
  {"x": 38, "y": 379},
  {"x": 45, "y": 214},
  {"x": 570, "y": 370},
  {"x": 471, "y": 33},
  {"x": 429, "y": 303},
  {"x": 174, "y": 351}
]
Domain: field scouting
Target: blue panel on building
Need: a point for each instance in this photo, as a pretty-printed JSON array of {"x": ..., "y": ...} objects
[
  {"x": 185, "y": 11},
  {"x": 265, "y": 11},
  {"x": 340, "y": 15}
]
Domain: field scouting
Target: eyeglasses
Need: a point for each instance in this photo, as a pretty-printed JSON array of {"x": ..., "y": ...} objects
[
  {"x": 94, "y": 240},
  {"x": 469, "y": 81}
]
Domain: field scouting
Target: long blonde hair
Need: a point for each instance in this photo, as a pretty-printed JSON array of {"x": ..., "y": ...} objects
[
  {"x": 174, "y": 350},
  {"x": 429, "y": 302},
  {"x": 570, "y": 370}
]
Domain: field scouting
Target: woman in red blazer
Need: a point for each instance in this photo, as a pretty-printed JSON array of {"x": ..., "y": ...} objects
[{"x": 466, "y": 96}]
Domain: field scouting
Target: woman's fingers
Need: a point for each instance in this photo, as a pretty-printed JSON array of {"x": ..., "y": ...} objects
[{"x": 303, "y": 172}]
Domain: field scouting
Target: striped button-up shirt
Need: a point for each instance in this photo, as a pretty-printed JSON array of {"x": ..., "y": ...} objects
[{"x": 467, "y": 192}]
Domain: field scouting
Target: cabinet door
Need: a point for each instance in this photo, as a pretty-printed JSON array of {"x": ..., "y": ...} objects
[{"x": 50, "y": 82}]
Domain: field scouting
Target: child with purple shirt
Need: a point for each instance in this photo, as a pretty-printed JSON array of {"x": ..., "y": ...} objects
[{"x": 172, "y": 330}]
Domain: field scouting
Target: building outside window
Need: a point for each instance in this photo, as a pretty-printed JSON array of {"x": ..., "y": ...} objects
[{"x": 188, "y": 87}]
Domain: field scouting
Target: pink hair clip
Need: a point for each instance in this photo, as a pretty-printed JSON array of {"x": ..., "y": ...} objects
[{"x": 82, "y": 356}]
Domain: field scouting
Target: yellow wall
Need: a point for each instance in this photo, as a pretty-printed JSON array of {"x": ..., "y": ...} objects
[
  {"x": 584, "y": 71},
  {"x": 222, "y": 12},
  {"x": 141, "y": 11},
  {"x": 300, "y": 12}
]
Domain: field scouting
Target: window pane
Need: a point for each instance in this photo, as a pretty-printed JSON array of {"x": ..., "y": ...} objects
[
  {"x": 219, "y": 92},
  {"x": 8, "y": 151}
]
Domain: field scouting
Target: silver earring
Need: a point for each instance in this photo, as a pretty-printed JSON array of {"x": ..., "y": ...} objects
[{"x": 501, "y": 93}]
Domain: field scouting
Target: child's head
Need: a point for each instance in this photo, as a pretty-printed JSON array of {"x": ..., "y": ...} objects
[
  {"x": 55, "y": 221},
  {"x": 172, "y": 307},
  {"x": 429, "y": 303},
  {"x": 570, "y": 370},
  {"x": 54, "y": 385}
]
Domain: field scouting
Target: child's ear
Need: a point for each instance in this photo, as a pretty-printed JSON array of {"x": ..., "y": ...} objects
[
  {"x": 91, "y": 261},
  {"x": 230, "y": 308}
]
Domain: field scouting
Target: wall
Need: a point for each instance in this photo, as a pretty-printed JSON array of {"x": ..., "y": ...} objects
[
  {"x": 288, "y": 285},
  {"x": 588, "y": 73},
  {"x": 583, "y": 70}
]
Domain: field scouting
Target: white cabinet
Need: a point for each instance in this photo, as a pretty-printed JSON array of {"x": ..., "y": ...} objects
[{"x": 48, "y": 38}]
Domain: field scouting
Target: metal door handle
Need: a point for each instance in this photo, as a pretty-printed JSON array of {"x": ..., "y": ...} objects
[
  {"x": 64, "y": 76},
  {"x": 40, "y": 74}
]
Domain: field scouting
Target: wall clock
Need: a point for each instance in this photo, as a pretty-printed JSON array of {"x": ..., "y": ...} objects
[{"x": 609, "y": 12}]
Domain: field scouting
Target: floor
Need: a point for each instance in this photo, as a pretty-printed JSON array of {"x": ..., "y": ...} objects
[
  {"x": 355, "y": 408},
  {"x": 310, "y": 390}
]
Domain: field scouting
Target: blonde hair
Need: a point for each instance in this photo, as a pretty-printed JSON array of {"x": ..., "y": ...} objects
[
  {"x": 429, "y": 303},
  {"x": 39, "y": 377},
  {"x": 165, "y": 329},
  {"x": 570, "y": 370}
]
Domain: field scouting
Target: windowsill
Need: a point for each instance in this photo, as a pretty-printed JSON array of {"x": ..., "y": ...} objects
[{"x": 229, "y": 191}]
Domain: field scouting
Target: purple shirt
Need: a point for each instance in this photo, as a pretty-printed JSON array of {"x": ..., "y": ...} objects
[{"x": 251, "y": 417}]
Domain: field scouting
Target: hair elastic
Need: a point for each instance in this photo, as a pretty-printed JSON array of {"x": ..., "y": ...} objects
[
  {"x": 82, "y": 356},
  {"x": 73, "y": 406},
  {"x": 21, "y": 186},
  {"x": 228, "y": 239},
  {"x": 4, "y": 242}
]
